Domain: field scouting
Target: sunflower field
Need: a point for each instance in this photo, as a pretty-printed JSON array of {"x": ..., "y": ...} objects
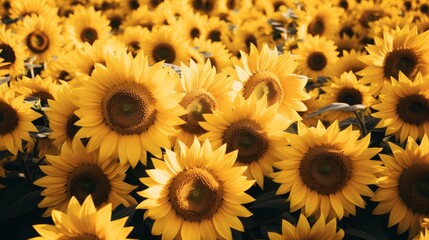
[{"x": 214, "y": 119}]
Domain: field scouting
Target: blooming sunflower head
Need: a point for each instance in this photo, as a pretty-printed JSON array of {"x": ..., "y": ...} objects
[
  {"x": 196, "y": 193},
  {"x": 320, "y": 230},
  {"x": 268, "y": 74},
  {"x": 38, "y": 87},
  {"x": 325, "y": 170},
  {"x": 75, "y": 172},
  {"x": 404, "y": 107},
  {"x": 82, "y": 220},
  {"x": 252, "y": 128},
  {"x": 403, "y": 190},
  {"x": 128, "y": 108}
]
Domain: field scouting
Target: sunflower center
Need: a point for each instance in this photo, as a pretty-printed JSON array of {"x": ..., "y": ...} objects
[
  {"x": 115, "y": 22},
  {"x": 129, "y": 108},
  {"x": 37, "y": 42},
  {"x": 413, "y": 188},
  {"x": 401, "y": 60},
  {"x": 316, "y": 27},
  {"x": 7, "y": 53},
  {"x": 86, "y": 236},
  {"x": 370, "y": 16},
  {"x": 343, "y": 4},
  {"x": 89, "y": 179},
  {"x": 8, "y": 118},
  {"x": 424, "y": 8},
  {"x": 264, "y": 84},
  {"x": 197, "y": 103},
  {"x": 324, "y": 170},
  {"x": 64, "y": 75},
  {"x": 89, "y": 35},
  {"x": 317, "y": 61},
  {"x": 413, "y": 109},
  {"x": 214, "y": 35},
  {"x": 164, "y": 52},
  {"x": 248, "y": 138},
  {"x": 195, "y": 194},
  {"x": 195, "y": 32},
  {"x": 250, "y": 39},
  {"x": 351, "y": 96},
  {"x": 203, "y": 5},
  {"x": 43, "y": 96},
  {"x": 71, "y": 127}
]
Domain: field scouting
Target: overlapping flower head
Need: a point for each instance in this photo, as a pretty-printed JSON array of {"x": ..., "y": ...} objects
[{"x": 97, "y": 94}]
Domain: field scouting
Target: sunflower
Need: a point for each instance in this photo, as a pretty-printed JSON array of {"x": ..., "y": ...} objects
[
  {"x": 346, "y": 43},
  {"x": 128, "y": 108},
  {"x": 24, "y": 8},
  {"x": 85, "y": 25},
  {"x": 132, "y": 36},
  {"x": 403, "y": 191},
  {"x": 216, "y": 52},
  {"x": 267, "y": 73},
  {"x": 345, "y": 89},
  {"x": 349, "y": 61},
  {"x": 204, "y": 92},
  {"x": 402, "y": 50},
  {"x": 62, "y": 118},
  {"x": 16, "y": 118},
  {"x": 42, "y": 88},
  {"x": 40, "y": 36},
  {"x": 11, "y": 52},
  {"x": 193, "y": 25},
  {"x": 216, "y": 30},
  {"x": 404, "y": 107},
  {"x": 58, "y": 68},
  {"x": 143, "y": 17},
  {"x": 207, "y": 7},
  {"x": 84, "y": 221},
  {"x": 368, "y": 11},
  {"x": 77, "y": 172},
  {"x": 116, "y": 18},
  {"x": 312, "y": 104},
  {"x": 385, "y": 24},
  {"x": 326, "y": 171},
  {"x": 167, "y": 44},
  {"x": 196, "y": 193},
  {"x": 321, "y": 230},
  {"x": 252, "y": 128},
  {"x": 320, "y": 19},
  {"x": 316, "y": 56}
]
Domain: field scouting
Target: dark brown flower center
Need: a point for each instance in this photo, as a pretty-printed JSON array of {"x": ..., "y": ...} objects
[
  {"x": 89, "y": 35},
  {"x": 325, "y": 170},
  {"x": 195, "y": 32},
  {"x": 7, "y": 53},
  {"x": 197, "y": 103},
  {"x": 317, "y": 61},
  {"x": 343, "y": 4},
  {"x": 408, "y": 5},
  {"x": 89, "y": 179},
  {"x": 250, "y": 39},
  {"x": 129, "y": 108},
  {"x": 8, "y": 118},
  {"x": 413, "y": 109},
  {"x": 115, "y": 22},
  {"x": 424, "y": 8},
  {"x": 316, "y": 27},
  {"x": 214, "y": 35},
  {"x": 349, "y": 95},
  {"x": 278, "y": 4},
  {"x": 413, "y": 188},
  {"x": 401, "y": 60},
  {"x": 43, "y": 96},
  {"x": 155, "y": 3},
  {"x": 370, "y": 16},
  {"x": 64, "y": 75},
  {"x": 248, "y": 138},
  {"x": 164, "y": 52},
  {"x": 133, "y": 4},
  {"x": 37, "y": 42},
  {"x": 264, "y": 84},
  {"x": 86, "y": 236},
  {"x": 203, "y": 5},
  {"x": 347, "y": 30},
  {"x": 71, "y": 127},
  {"x": 196, "y": 194}
]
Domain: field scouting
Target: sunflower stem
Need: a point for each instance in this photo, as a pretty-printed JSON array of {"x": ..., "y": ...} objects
[{"x": 361, "y": 118}]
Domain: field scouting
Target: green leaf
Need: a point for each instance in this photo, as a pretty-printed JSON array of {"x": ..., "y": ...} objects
[
  {"x": 17, "y": 200},
  {"x": 344, "y": 107}
]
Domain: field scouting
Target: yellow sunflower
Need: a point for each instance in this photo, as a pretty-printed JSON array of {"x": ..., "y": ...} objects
[
  {"x": 268, "y": 73},
  {"x": 345, "y": 89},
  {"x": 368, "y": 11},
  {"x": 85, "y": 25},
  {"x": 254, "y": 129},
  {"x": 58, "y": 68},
  {"x": 128, "y": 108},
  {"x": 216, "y": 52},
  {"x": 193, "y": 25},
  {"x": 204, "y": 91},
  {"x": 216, "y": 30},
  {"x": 16, "y": 118},
  {"x": 12, "y": 52},
  {"x": 322, "y": 19},
  {"x": 403, "y": 191},
  {"x": 325, "y": 171},
  {"x": 143, "y": 17},
  {"x": 402, "y": 50},
  {"x": 84, "y": 221},
  {"x": 42, "y": 88},
  {"x": 40, "y": 36},
  {"x": 77, "y": 172},
  {"x": 196, "y": 193},
  {"x": 24, "y": 8},
  {"x": 320, "y": 230},
  {"x": 349, "y": 61},
  {"x": 62, "y": 118},
  {"x": 168, "y": 44},
  {"x": 132, "y": 36},
  {"x": 404, "y": 107},
  {"x": 312, "y": 104},
  {"x": 316, "y": 56}
]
